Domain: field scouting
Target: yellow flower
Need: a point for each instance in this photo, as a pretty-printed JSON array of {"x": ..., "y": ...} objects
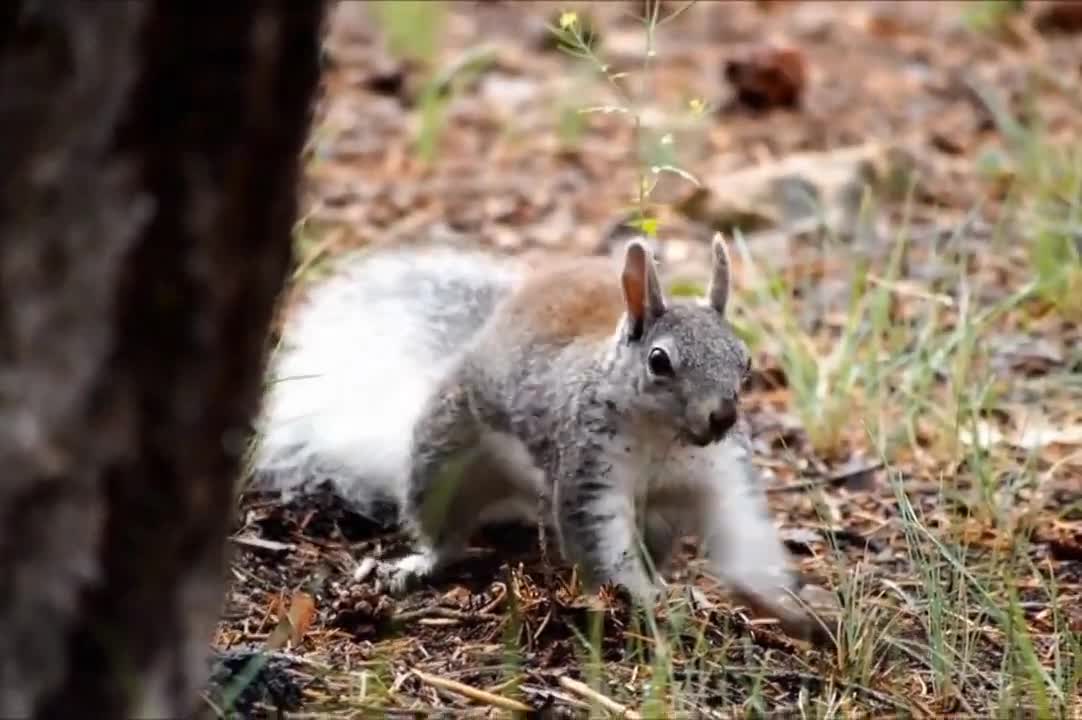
[
  {"x": 697, "y": 106},
  {"x": 568, "y": 19}
]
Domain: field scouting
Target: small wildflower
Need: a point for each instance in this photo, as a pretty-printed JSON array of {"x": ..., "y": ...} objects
[
  {"x": 697, "y": 106},
  {"x": 568, "y": 19}
]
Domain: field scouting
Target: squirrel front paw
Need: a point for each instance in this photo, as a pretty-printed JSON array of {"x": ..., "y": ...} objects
[
  {"x": 794, "y": 620},
  {"x": 399, "y": 576}
]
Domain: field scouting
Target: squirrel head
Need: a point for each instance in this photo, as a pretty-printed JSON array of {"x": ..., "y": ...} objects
[{"x": 689, "y": 363}]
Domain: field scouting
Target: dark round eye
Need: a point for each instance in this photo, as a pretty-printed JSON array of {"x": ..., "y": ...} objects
[{"x": 659, "y": 362}]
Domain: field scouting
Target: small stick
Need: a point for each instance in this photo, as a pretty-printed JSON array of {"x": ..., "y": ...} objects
[
  {"x": 906, "y": 290},
  {"x": 261, "y": 543},
  {"x": 473, "y": 693},
  {"x": 443, "y": 614},
  {"x": 584, "y": 690}
]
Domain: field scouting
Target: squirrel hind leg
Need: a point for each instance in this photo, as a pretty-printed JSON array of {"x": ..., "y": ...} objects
[
  {"x": 406, "y": 573},
  {"x": 482, "y": 496}
]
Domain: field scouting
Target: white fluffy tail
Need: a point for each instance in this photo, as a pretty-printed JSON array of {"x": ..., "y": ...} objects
[{"x": 357, "y": 364}]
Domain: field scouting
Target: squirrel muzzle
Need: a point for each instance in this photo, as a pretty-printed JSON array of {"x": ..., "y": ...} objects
[{"x": 714, "y": 422}]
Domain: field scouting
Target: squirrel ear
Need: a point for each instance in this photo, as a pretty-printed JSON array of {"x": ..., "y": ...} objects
[
  {"x": 642, "y": 290},
  {"x": 718, "y": 292}
]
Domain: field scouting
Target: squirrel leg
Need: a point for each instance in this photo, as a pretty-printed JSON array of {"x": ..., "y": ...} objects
[
  {"x": 454, "y": 481},
  {"x": 595, "y": 517},
  {"x": 446, "y": 446},
  {"x": 745, "y": 547}
]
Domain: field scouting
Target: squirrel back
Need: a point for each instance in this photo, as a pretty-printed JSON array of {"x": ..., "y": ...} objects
[{"x": 357, "y": 362}]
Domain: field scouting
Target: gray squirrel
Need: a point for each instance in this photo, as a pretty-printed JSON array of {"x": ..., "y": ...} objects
[{"x": 461, "y": 388}]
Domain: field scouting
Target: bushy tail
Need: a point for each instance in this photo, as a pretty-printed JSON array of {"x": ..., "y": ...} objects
[{"x": 357, "y": 363}]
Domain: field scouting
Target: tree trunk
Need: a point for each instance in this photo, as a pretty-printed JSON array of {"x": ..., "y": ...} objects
[{"x": 150, "y": 152}]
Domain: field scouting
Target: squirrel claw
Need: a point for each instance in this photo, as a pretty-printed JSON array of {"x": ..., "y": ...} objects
[{"x": 396, "y": 576}]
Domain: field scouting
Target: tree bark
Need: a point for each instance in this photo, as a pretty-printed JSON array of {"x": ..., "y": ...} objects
[{"x": 150, "y": 153}]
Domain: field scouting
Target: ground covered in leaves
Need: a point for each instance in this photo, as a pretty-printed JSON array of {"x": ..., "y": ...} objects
[{"x": 904, "y": 184}]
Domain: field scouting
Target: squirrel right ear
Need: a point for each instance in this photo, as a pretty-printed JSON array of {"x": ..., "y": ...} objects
[
  {"x": 718, "y": 292},
  {"x": 642, "y": 289}
]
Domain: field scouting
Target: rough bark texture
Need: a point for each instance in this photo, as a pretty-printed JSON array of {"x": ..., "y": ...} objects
[{"x": 150, "y": 156}]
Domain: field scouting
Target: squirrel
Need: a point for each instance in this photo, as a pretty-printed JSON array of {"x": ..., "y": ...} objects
[{"x": 457, "y": 388}]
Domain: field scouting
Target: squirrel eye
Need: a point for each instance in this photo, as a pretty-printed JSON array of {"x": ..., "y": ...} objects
[{"x": 659, "y": 362}]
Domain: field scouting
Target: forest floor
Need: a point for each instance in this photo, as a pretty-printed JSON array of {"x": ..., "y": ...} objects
[{"x": 908, "y": 233}]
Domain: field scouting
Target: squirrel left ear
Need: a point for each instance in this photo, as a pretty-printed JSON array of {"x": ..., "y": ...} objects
[
  {"x": 642, "y": 289},
  {"x": 718, "y": 292}
]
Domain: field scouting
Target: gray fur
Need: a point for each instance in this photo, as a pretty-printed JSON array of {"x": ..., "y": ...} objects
[
  {"x": 613, "y": 447},
  {"x": 512, "y": 419}
]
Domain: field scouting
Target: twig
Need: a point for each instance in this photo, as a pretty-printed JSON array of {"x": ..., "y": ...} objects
[
  {"x": 572, "y": 701},
  {"x": 585, "y": 691},
  {"x": 256, "y": 542},
  {"x": 218, "y": 712},
  {"x": 676, "y": 13},
  {"x": 835, "y": 479},
  {"x": 908, "y": 290},
  {"x": 501, "y": 595},
  {"x": 443, "y": 614},
  {"x": 473, "y": 693}
]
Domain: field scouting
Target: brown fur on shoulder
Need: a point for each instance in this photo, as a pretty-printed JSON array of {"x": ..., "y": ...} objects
[{"x": 566, "y": 300}]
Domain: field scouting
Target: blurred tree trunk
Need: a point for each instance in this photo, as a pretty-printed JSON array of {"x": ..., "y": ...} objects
[{"x": 150, "y": 156}]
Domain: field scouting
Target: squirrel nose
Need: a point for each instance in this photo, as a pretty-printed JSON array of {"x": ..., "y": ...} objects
[{"x": 722, "y": 419}]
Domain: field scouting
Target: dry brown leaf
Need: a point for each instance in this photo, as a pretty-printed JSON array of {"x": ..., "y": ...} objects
[
  {"x": 768, "y": 77},
  {"x": 302, "y": 611}
]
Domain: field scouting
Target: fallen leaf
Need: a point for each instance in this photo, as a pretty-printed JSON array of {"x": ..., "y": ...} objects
[
  {"x": 457, "y": 597},
  {"x": 302, "y": 611},
  {"x": 1061, "y": 16},
  {"x": 768, "y": 77}
]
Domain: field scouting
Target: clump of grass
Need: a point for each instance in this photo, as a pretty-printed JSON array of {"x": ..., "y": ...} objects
[
  {"x": 1045, "y": 180},
  {"x": 824, "y": 380},
  {"x": 1054, "y": 222},
  {"x": 438, "y": 93},
  {"x": 990, "y": 16},
  {"x": 904, "y": 382},
  {"x": 412, "y": 27}
]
